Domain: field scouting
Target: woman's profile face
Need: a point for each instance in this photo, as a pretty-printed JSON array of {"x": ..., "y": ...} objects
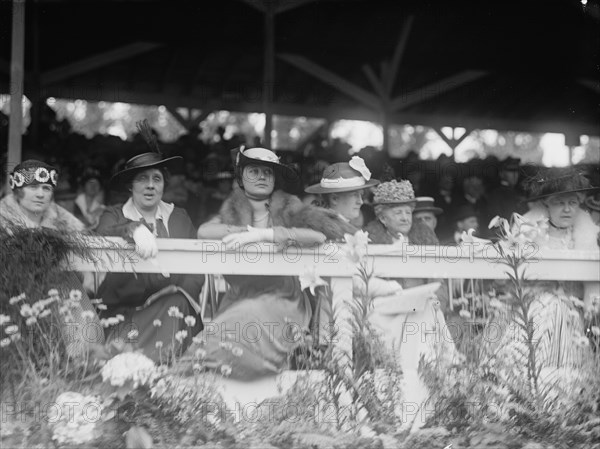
[
  {"x": 563, "y": 209},
  {"x": 258, "y": 180},
  {"x": 147, "y": 189},
  {"x": 347, "y": 204},
  {"x": 36, "y": 199}
]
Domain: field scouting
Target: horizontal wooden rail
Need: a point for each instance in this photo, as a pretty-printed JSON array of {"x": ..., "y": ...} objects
[{"x": 210, "y": 257}]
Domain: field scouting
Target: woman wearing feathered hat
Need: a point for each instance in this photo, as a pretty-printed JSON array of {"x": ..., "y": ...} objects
[
  {"x": 31, "y": 205},
  {"x": 260, "y": 210},
  {"x": 145, "y": 299}
]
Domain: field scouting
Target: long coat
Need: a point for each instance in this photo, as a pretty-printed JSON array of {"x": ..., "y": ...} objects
[
  {"x": 262, "y": 319},
  {"x": 126, "y": 293}
]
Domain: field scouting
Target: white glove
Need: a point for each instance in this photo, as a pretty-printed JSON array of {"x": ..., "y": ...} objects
[
  {"x": 145, "y": 242},
  {"x": 253, "y": 235}
]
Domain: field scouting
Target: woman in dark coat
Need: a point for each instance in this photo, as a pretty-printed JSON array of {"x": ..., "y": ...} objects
[
  {"x": 261, "y": 319},
  {"x": 160, "y": 313}
]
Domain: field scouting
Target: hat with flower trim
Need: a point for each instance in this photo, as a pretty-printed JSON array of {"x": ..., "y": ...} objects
[
  {"x": 344, "y": 177},
  {"x": 394, "y": 192},
  {"x": 32, "y": 172}
]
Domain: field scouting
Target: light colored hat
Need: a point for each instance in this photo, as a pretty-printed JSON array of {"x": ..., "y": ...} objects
[
  {"x": 344, "y": 177},
  {"x": 426, "y": 204},
  {"x": 285, "y": 176},
  {"x": 394, "y": 192}
]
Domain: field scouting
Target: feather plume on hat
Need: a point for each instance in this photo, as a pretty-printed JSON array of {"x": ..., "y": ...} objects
[
  {"x": 148, "y": 135},
  {"x": 555, "y": 181}
]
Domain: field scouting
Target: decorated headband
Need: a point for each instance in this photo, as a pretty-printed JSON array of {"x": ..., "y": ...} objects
[{"x": 32, "y": 176}]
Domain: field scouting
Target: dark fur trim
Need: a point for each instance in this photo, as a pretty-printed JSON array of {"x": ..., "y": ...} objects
[
  {"x": 377, "y": 233},
  {"x": 419, "y": 234},
  {"x": 287, "y": 211}
]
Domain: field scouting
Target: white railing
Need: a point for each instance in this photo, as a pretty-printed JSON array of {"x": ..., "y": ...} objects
[{"x": 210, "y": 257}]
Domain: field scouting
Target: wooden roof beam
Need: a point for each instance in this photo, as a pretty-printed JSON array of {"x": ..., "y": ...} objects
[
  {"x": 389, "y": 76},
  {"x": 434, "y": 89},
  {"x": 96, "y": 61},
  {"x": 336, "y": 81}
]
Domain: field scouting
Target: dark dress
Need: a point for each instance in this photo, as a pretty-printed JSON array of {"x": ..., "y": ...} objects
[{"x": 126, "y": 293}]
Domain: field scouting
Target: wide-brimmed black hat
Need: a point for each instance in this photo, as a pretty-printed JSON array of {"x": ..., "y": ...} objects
[
  {"x": 285, "y": 176},
  {"x": 144, "y": 161},
  {"x": 556, "y": 181}
]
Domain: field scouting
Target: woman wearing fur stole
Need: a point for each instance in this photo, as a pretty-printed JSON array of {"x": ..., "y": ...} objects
[
  {"x": 261, "y": 319},
  {"x": 555, "y": 213},
  {"x": 31, "y": 205}
]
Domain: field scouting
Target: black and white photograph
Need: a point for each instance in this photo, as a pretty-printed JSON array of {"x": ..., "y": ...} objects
[{"x": 303, "y": 224}]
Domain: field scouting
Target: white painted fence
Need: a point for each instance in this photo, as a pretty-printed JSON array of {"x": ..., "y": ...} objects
[{"x": 210, "y": 257}]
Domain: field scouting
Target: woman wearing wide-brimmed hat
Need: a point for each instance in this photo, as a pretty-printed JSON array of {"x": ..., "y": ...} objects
[
  {"x": 555, "y": 199},
  {"x": 342, "y": 187},
  {"x": 143, "y": 298},
  {"x": 260, "y": 210}
]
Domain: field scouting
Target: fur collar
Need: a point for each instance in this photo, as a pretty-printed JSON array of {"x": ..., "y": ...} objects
[
  {"x": 585, "y": 231},
  {"x": 378, "y": 234},
  {"x": 285, "y": 210},
  {"x": 56, "y": 217}
]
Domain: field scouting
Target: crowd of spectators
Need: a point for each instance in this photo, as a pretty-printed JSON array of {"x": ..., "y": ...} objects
[{"x": 468, "y": 194}]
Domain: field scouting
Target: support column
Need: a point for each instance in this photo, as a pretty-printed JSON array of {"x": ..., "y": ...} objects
[
  {"x": 269, "y": 71},
  {"x": 15, "y": 121}
]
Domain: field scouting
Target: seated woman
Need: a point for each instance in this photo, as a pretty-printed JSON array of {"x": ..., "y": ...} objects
[
  {"x": 31, "y": 205},
  {"x": 555, "y": 200},
  {"x": 152, "y": 304},
  {"x": 394, "y": 204},
  {"x": 261, "y": 319},
  {"x": 342, "y": 188}
]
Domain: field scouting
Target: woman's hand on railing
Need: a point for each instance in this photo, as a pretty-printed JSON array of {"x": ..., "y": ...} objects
[
  {"x": 145, "y": 242},
  {"x": 253, "y": 235}
]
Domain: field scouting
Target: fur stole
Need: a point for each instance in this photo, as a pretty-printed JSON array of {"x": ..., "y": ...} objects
[
  {"x": 56, "y": 217},
  {"x": 419, "y": 234},
  {"x": 286, "y": 210},
  {"x": 378, "y": 234},
  {"x": 585, "y": 231}
]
